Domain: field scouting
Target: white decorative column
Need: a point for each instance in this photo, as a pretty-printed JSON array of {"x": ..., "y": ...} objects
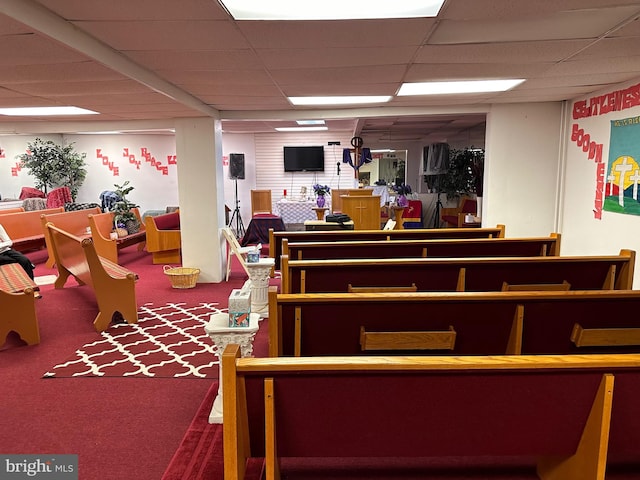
[
  {"x": 259, "y": 277},
  {"x": 221, "y": 335}
]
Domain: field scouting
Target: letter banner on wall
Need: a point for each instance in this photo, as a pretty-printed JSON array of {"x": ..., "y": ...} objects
[{"x": 623, "y": 171}]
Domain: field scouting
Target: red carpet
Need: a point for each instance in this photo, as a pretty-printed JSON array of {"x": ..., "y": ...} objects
[
  {"x": 200, "y": 453},
  {"x": 168, "y": 341},
  {"x": 120, "y": 427}
]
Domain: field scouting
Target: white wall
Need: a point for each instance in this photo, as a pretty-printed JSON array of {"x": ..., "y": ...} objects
[
  {"x": 522, "y": 168},
  {"x": 11, "y": 182},
  {"x": 145, "y": 160},
  {"x": 583, "y": 233},
  {"x": 245, "y": 144}
]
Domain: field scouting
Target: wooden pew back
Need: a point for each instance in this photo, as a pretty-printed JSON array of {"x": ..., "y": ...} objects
[
  {"x": 488, "y": 323},
  {"x": 102, "y": 224},
  {"x": 11, "y": 210},
  {"x": 467, "y": 247},
  {"x": 459, "y": 274},
  {"x": 275, "y": 238},
  {"x": 75, "y": 222},
  {"x": 555, "y": 409},
  {"x": 113, "y": 285},
  {"x": 25, "y": 228}
]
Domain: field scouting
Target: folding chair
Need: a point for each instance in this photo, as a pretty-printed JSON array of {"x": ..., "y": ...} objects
[{"x": 235, "y": 249}]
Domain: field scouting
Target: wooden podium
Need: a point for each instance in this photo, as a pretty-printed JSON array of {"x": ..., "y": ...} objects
[{"x": 363, "y": 210}]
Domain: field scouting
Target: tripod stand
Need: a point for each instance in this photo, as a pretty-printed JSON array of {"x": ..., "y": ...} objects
[
  {"x": 435, "y": 222},
  {"x": 239, "y": 226},
  {"x": 436, "y": 213}
]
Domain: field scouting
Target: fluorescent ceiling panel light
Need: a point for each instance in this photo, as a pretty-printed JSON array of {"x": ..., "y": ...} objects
[
  {"x": 301, "y": 129},
  {"x": 310, "y": 122},
  {"x": 44, "y": 111},
  {"x": 346, "y": 100},
  {"x": 330, "y": 9},
  {"x": 465, "y": 86}
]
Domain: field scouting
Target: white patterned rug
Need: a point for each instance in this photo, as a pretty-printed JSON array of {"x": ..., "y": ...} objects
[{"x": 167, "y": 341}]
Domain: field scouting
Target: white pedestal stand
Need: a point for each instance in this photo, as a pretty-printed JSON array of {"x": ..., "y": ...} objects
[
  {"x": 221, "y": 335},
  {"x": 259, "y": 277}
]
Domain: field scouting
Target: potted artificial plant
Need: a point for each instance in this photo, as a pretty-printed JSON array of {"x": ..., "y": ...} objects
[
  {"x": 54, "y": 165},
  {"x": 124, "y": 218},
  {"x": 464, "y": 176}
]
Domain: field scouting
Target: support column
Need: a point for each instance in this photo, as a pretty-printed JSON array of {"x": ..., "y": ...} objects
[{"x": 201, "y": 196}]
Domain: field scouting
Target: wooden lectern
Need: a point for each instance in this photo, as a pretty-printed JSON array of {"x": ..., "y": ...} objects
[{"x": 363, "y": 210}]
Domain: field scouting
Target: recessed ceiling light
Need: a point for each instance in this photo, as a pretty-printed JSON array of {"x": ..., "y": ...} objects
[
  {"x": 465, "y": 86},
  {"x": 330, "y": 9},
  {"x": 301, "y": 129},
  {"x": 345, "y": 100},
  {"x": 44, "y": 111},
  {"x": 310, "y": 122}
]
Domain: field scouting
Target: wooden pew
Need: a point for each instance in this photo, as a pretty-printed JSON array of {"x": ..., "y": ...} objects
[
  {"x": 592, "y": 272},
  {"x": 112, "y": 285},
  {"x": 75, "y": 222},
  {"x": 164, "y": 240},
  {"x": 275, "y": 238},
  {"x": 569, "y": 414},
  {"x": 458, "y": 323},
  {"x": 466, "y": 247},
  {"x": 102, "y": 224},
  {"x": 17, "y": 304},
  {"x": 25, "y": 228}
]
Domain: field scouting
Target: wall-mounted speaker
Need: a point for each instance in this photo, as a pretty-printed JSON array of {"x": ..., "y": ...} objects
[{"x": 236, "y": 166}]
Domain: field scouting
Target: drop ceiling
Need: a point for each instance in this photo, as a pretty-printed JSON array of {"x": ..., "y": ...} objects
[{"x": 143, "y": 63}]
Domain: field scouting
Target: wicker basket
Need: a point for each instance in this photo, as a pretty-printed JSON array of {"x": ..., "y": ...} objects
[{"x": 182, "y": 277}]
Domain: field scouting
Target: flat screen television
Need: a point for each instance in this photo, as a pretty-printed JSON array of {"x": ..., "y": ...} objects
[{"x": 304, "y": 159}]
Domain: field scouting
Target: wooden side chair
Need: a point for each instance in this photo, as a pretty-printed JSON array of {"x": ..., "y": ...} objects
[
  {"x": 454, "y": 217},
  {"x": 261, "y": 202}
]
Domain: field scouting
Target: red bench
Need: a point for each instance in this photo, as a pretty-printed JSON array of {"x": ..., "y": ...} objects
[
  {"x": 456, "y": 247},
  {"x": 275, "y": 238},
  {"x": 591, "y": 272},
  {"x": 572, "y": 416},
  {"x": 465, "y": 323}
]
